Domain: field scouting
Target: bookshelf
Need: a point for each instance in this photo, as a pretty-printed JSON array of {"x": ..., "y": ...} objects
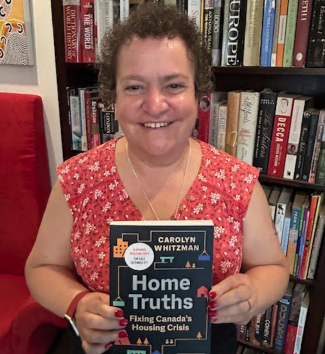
[{"x": 305, "y": 81}]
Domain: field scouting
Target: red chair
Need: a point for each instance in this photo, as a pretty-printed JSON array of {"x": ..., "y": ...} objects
[{"x": 25, "y": 326}]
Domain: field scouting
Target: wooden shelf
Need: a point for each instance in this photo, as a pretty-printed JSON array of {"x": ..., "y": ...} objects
[
  {"x": 308, "y": 282},
  {"x": 291, "y": 183},
  {"x": 268, "y": 70},
  {"x": 258, "y": 347}
]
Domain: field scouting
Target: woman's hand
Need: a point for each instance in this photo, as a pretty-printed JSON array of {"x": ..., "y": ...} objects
[
  {"x": 98, "y": 323},
  {"x": 232, "y": 300}
]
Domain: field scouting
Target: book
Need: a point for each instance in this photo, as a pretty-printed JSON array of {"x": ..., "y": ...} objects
[
  {"x": 217, "y": 31},
  {"x": 88, "y": 43},
  {"x": 265, "y": 120},
  {"x": 233, "y": 108},
  {"x": 72, "y": 30},
  {"x": 275, "y": 32},
  {"x": 302, "y": 32},
  {"x": 247, "y": 125},
  {"x": 273, "y": 200},
  {"x": 286, "y": 228},
  {"x": 253, "y": 30},
  {"x": 282, "y": 318},
  {"x": 297, "y": 298},
  {"x": 74, "y": 118},
  {"x": 301, "y": 323},
  {"x": 298, "y": 201},
  {"x": 204, "y": 116},
  {"x": 225, "y": 33},
  {"x": 208, "y": 23},
  {"x": 267, "y": 32},
  {"x": 316, "y": 44},
  {"x": 216, "y": 99},
  {"x": 300, "y": 105},
  {"x": 320, "y": 173},
  {"x": 222, "y": 122},
  {"x": 267, "y": 327},
  {"x": 290, "y": 33},
  {"x": 317, "y": 244},
  {"x": 267, "y": 190},
  {"x": 306, "y": 120},
  {"x": 194, "y": 11},
  {"x": 282, "y": 32},
  {"x": 160, "y": 275},
  {"x": 280, "y": 135},
  {"x": 280, "y": 213},
  {"x": 108, "y": 126}
]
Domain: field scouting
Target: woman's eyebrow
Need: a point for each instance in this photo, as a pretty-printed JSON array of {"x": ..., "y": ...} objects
[
  {"x": 132, "y": 77},
  {"x": 174, "y": 76}
]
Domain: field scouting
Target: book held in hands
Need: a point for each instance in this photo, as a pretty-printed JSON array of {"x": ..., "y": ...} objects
[{"x": 160, "y": 276}]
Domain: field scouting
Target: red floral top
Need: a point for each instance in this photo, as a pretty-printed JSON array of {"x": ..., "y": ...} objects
[{"x": 96, "y": 196}]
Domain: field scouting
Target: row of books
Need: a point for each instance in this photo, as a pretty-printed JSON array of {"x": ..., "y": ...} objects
[
  {"x": 280, "y": 133},
  {"x": 91, "y": 124},
  {"x": 299, "y": 220},
  {"x": 281, "y": 326}
]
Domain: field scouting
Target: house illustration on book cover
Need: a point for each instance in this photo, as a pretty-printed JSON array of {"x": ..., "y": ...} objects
[{"x": 160, "y": 276}]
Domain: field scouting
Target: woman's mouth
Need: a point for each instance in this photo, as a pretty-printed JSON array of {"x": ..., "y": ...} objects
[{"x": 156, "y": 125}]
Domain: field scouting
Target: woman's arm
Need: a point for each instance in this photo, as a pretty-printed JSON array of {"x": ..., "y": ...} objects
[{"x": 241, "y": 296}]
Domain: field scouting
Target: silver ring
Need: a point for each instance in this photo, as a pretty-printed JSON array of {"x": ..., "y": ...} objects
[{"x": 250, "y": 305}]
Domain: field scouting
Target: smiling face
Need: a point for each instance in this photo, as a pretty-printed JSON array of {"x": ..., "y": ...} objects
[{"x": 156, "y": 104}]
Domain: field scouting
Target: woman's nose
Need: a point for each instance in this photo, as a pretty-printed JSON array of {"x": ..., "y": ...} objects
[{"x": 155, "y": 102}]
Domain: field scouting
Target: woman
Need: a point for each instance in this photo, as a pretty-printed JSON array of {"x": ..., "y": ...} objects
[{"x": 154, "y": 67}]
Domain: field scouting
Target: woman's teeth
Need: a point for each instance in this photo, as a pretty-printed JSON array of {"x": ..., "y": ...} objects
[{"x": 155, "y": 125}]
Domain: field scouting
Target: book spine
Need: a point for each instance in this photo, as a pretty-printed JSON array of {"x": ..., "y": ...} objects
[
  {"x": 232, "y": 122},
  {"x": 267, "y": 32},
  {"x": 300, "y": 329},
  {"x": 194, "y": 11},
  {"x": 208, "y": 23},
  {"x": 290, "y": 339},
  {"x": 316, "y": 44},
  {"x": 221, "y": 138},
  {"x": 264, "y": 130},
  {"x": 71, "y": 18},
  {"x": 106, "y": 123},
  {"x": 216, "y": 36},
  {"x": 235, "y": 34},
  {"x": 88, "y": 31},
  {"x": 82, "y": 109},
  {"x": 241, "y": 332},
  {"x": 290, "y": 33},
  {"x": 282, "y": 33},
  {"x": 95, "y": 123},
  {"x": 317, "y": 147},
  {"x": 285, "y": 235},
  {"x": 275, "y": 309},
  {"x": 204, "y": 117},
  {"x": 316, "y": 247},
  {"x": 282, "y": 322},
  {"x": 252, "y": 43},
  {"x": 74, "y": 118},
  {"x": 301, "y": 244},
  {"x": 302, "y": 32},
  {"x": 247, "y": 126},
  {"x": 124, "y": 10},
  {"x": 320, "y": 173},
  {"x": 302, "y": 145},
  {"x": 310, "y": 146},
  {"x": 279, "y": 219},
  {"x": 88, "y": 111},
  {"x": 225, "y": 33},
  {"x": 293, "y": 238},
  {"x": 280, "y": 137},
  {"x": 266, "y": 337},
  {"x": 275, "y": 32},
  {"x": 294, "y": 138}
]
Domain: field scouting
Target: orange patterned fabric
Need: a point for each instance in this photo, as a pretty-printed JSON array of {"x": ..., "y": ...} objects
[{"x": 96, "y": 196}]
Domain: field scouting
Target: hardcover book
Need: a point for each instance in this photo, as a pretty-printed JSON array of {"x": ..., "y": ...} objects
[
  {"x": 217, "y": 30},
  {"x": 282, "y": 32},
  {"x": 275, "y": 32},
  {"x": 290, "y": 33},
  {"x": 71, "y": 16},
  {"x": 267, "y": 32},
  {"x": 160, "y": 276},
  {"x": 301, "y": 323},
  {"x": 232, "y": 122}
]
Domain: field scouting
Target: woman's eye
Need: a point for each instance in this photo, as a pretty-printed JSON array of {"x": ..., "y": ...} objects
[
  {"x": 175, "y": 87},
  {"x": 133, "y": 88}
]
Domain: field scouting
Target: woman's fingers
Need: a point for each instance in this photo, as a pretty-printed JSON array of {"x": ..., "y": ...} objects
[
  {"x": 95, "y": 321},
  {"x": 237, "y": 313},
  {"x": 234, "y": 296}
]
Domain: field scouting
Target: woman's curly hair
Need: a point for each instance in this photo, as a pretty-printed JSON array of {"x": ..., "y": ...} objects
[{"x": 153, "y": 20}]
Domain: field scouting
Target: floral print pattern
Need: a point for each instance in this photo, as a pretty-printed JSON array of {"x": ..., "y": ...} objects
[{"x": 96, "y": 196}]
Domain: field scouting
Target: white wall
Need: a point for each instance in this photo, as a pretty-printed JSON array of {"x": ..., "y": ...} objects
[{"x": 40, "y": 79}]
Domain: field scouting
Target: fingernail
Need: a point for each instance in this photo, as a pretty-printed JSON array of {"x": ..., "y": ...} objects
[
  {"x": 212, "y": 295},
  {"x": 212, "y": 305},
  {"x": 122, "y": 334},
  {"x": 123, "y": 322},
  {"x": 119, "y": 313},
  {"x": 108, "y": 346},
  {"x": 212, "y": 314}
]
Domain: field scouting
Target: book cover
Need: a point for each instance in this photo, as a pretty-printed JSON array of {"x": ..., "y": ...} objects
[
  {"x": 317, "y": 244},
  {"x": 310, "y": 145},
  {"x": 249, "y": 102},
  {"x": 297, "y": 298},
  {"x": 233, "y": 108},
  {"x": 275, "y": 32},
  {"x": 267, "y": 32},
  {"x": 282, "y": 319},
  {"x": 316, "y": 44},
  {"x": 160, "y": 275},
  {"x": 317, "y": 147},
  {"x": 302, "y": 33},
  {"x": 301, "y": 323},
  {"x": 302, "y": 143},
  {"x": 294, "y": 228},
  {"x": 88, "y": 36},
  {"x": 290, "y": 33},
  {"x": 217, "y": 31},
  {"x": 265, "y": 120},
  {"x": 72, "y": 30},
  {"x": 280, "y": 135},
  {"x": 282, "y": 32},
  {"x": 300, "y": 105},
  {"x": 253, "y": 30}
]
